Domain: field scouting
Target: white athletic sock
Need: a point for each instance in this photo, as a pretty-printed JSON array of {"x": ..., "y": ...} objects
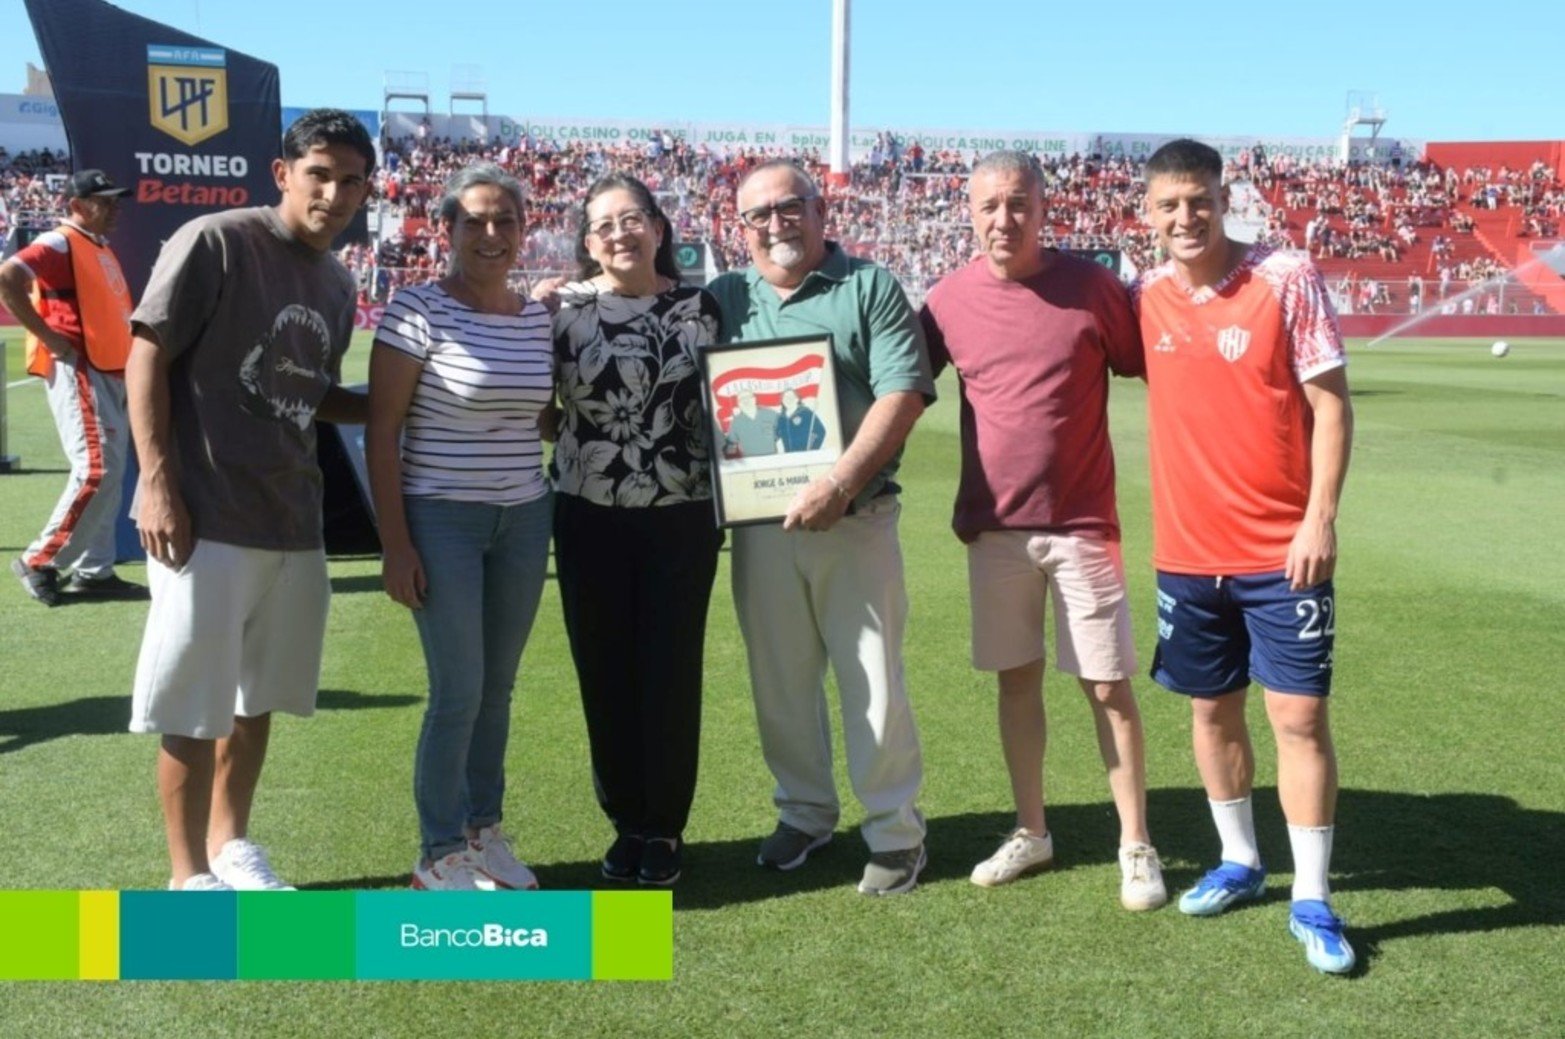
[
  {"x": 1311, "y": 860},
  {"x": 1236, "y": 826}
]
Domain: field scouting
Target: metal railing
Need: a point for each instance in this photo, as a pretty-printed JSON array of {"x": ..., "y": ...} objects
[{"x": 1497, "y": 296}]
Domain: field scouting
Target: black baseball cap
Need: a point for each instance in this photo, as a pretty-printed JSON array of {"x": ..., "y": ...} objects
[{"x": 92, "y": 184}]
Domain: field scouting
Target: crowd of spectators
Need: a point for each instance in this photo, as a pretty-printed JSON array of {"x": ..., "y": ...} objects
[
  {"x": 26, "y": 196},
  {"x": 905, "y": 206}
]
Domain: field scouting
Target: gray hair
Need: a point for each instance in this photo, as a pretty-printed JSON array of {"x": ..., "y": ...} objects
[
  {"x": 1012, "y": 162},
  {"x": 806, "y": 183},
  {"x": 479, "y": 173}
]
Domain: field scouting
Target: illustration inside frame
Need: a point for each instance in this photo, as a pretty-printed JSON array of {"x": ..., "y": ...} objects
[{"x": 775, "y": 424}]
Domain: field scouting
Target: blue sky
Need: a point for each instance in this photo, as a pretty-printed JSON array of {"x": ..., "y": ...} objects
[{"x": 1460, "y": 73}]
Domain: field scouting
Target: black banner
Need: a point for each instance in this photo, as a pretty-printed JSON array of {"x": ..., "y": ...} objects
[
  {"x": 189, "y": 126},
  {"x": 1109, "y": 258}
]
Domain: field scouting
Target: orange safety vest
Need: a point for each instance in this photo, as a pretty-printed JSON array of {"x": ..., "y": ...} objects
[{"x": 103, "y": 301}]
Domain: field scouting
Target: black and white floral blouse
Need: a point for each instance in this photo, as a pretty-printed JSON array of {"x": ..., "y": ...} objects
[{"x": 632, "y": 428}]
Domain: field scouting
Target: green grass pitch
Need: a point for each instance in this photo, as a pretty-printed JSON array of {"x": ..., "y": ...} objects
[{"x": 1451, "y": 829}]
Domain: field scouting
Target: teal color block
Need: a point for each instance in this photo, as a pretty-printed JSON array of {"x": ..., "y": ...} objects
[
  {"x": 474, "y": 935},
  {"x": 178, "y": 935}
]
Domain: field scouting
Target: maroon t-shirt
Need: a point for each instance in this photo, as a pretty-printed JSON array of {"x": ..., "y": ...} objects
[{"x": 1034, "y": 357}]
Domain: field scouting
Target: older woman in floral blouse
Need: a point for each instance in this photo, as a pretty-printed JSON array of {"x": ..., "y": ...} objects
[{"x": 635, "y": 541}]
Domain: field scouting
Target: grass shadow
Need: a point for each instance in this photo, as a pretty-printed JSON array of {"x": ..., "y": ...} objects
[
  {"x": 356, "y": 583},
  {"x": 23, "y": 727},
  {"x": 1386, "y": 841},
  {"x": 1452, "y": 842},
  {"x": 394, "y": 881},
  {"x": 347, "y": 700}
]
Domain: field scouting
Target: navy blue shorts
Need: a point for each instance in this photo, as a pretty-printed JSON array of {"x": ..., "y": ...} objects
[{"x": 1217, "y": 634}]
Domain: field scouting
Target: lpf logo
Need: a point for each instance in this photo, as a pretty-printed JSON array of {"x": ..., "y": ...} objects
[{"x": 187, "y": 91}]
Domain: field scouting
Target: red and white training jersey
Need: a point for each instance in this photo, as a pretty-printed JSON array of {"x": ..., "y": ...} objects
[{"x": 1228, "y": 421}]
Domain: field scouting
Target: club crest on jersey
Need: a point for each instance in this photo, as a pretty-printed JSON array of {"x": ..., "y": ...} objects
[{"x": 1232, "y": 342}]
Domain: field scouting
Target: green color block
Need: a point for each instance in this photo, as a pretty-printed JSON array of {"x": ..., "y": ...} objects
[
  {"x": 40, "y": 940},
  {"x": 296, "y": 935},
  {"x": 632, "y": 936}
]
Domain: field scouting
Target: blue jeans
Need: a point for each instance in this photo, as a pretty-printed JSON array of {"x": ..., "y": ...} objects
[{"x": 485, "y": 567}]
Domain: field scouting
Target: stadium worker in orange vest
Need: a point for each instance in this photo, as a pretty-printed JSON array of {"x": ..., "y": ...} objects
[
  {"x": 67, "y": 290},
  {"x": 1250, "y": 429}
]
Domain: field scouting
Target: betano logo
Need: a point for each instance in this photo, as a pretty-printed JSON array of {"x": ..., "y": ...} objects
[
  {"x": 489, "y": 936},
  {"x": 187, "y": 91}
]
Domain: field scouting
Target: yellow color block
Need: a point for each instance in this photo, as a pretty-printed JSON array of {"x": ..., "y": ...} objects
[{"x": 99, "y": 936}]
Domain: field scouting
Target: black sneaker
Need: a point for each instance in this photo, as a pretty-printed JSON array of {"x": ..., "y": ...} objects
[
  {"x": 661, "y": 861},
  {"x": 623, "y": 859},
  {"x": 111, "y": 587},
  {"x": 42, "y": 584}
]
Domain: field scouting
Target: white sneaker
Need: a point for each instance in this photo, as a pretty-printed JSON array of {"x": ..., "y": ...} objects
[
  {"x": 457, "y": 871},
  {"x": 199, "y": 882},
  {"x": 1021, "y": 853},
  {"x": 243, "y": 866},
  {"x": 497, "y": 864},
  {"x": 1141, "y": 878}
]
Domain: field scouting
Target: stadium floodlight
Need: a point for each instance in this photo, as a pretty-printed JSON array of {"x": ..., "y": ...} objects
[
  {"x": 1363, "y": 108},
  {"x": 840, "y": 38},
  {"x": 405, "y": 86},
  {"x": 468, "y": 84}
]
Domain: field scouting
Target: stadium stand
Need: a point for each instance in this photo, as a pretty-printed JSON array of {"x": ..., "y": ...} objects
[
  {"x": 1391, "y": 238},
  {"x": 28, "y": 199}
]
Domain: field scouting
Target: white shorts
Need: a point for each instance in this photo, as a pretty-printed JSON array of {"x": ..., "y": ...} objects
[
  {"x": 236, "y": 631},
  {"x": 1009, "y": 572}
]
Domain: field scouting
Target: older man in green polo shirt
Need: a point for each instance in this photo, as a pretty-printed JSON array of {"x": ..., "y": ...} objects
[{"x": 826, "y": 585}]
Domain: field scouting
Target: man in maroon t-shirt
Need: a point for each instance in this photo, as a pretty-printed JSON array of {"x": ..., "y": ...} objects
[{"x": 1033, "y": 335}]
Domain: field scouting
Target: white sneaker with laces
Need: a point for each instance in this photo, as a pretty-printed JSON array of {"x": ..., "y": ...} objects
[
  {"x": 457, "y": 871},
  {"x": 1022, "y": 852},
  {"x": 199, "y": 882},
  {"x": 1141, "y": 878},
  {"x": 497, "y": 864},
  {"x": 243, "y": 866}
]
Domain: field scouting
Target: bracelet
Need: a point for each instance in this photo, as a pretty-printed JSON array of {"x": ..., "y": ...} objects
[{"x": 836, "y": 485}]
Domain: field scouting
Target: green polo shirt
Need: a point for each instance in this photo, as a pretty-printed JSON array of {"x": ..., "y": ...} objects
[{"x": 877, "y": 342}]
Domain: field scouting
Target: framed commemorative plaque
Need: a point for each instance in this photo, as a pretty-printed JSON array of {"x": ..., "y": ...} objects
[{"x": 774, "y": 424}]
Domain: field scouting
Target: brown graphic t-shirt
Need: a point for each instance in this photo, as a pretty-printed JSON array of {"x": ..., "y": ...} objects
[{"x": 255, "y": 323}]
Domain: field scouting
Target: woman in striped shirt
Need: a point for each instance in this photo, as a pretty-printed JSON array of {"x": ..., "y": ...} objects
[{"x": 459, "y": 373}]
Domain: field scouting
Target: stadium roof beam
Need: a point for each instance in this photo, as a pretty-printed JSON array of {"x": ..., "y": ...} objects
[
  {"x": 468, "y": 84},
  {"x": 1363, "y": 109},
  {"x": 405, "y": 86}
]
